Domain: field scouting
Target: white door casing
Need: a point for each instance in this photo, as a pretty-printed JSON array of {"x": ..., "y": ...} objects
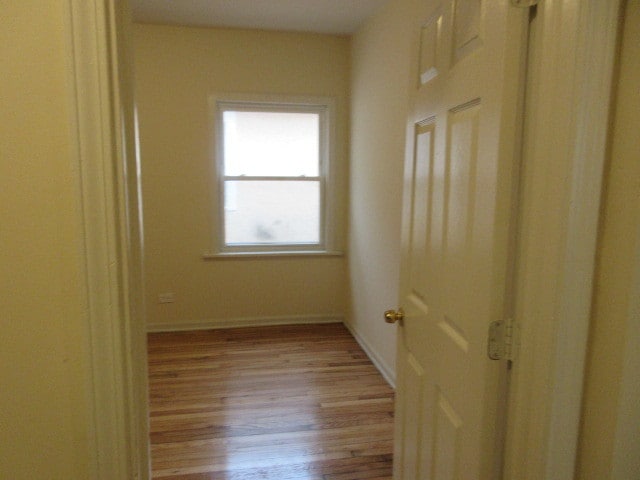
[
  {"x": 109, "y": 199},
  {"x": 458, "y": 219},
  {"x": 565, "y": 144}
]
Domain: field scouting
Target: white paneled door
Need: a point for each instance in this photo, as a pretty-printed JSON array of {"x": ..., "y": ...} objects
[{"x": 460, "y": 196}]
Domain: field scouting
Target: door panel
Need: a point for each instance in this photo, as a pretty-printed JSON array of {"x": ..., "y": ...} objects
[
  {"x": 448, "y": 426},
  {"x": 466, "y": 27},
  {"x": 414, "y": 385},
  {"x": 459, "y": 169},
  {"x": 421, "y": 238},
  {"x": 430, "y": 37},
  {"x": 459, "y": 207}
]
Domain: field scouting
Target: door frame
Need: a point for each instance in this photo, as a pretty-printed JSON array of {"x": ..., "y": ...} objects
[
  {"x": 107, "y": 166},
  {"x": 554, "y": 295},
  {"x": 563, "y": 167}
]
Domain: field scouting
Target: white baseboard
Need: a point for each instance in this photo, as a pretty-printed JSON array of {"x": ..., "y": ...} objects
[
  {"x": 216, "y": 323},
  {"x": 388, "y": 373}
]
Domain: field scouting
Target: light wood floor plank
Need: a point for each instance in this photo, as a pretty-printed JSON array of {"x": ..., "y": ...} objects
[{"x": 296, "y": 402}]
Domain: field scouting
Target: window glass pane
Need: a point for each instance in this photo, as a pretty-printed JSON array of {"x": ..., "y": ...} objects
[
  {"x": 271, "y": 143},
  {"x": 272, "y": 212}
]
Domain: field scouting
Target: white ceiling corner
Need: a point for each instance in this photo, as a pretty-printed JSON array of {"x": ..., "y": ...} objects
[{"x": 337, "y": 17}]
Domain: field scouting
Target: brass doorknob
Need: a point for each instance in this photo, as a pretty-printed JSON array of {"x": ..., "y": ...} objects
[{"x": 391, "y": 316}]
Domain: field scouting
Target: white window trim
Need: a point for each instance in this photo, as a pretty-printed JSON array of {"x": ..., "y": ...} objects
[{"x": 325, "y": 106}]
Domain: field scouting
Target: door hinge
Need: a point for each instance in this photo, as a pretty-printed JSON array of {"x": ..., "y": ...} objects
[
  {"x": 524, "y": 3},
  {"x": 500, "y": 340},
  {"x": 509, "y": 342}
]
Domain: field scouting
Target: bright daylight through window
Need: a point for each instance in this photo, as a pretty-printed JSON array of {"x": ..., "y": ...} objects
[{"x": 272, "y": 168}]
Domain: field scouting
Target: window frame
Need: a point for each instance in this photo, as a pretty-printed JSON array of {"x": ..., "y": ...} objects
[{"x": 325, "y": 108}]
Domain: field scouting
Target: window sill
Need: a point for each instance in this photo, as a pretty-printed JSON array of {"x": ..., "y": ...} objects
[{"x": 276, "y": 254}]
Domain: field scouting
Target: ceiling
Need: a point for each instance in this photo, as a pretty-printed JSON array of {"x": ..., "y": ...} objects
[{"x": 338, "y": 17}]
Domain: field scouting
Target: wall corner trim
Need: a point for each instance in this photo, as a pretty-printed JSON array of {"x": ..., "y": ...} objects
[
  {"x": 387, "y": 372},
  {"x": 237, "y": 322}
]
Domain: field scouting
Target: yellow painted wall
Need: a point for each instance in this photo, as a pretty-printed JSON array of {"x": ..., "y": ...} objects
[
  {"x": 44, "y": 417},
  {"x": 177, "y": 69},
  {"x": 614, "y": 277},
  {"x": 44, "y": 413},
  {"x": 381, "y": 53}
]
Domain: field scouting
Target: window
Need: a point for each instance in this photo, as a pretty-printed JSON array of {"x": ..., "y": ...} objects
[{"x": 273, "y": 168}]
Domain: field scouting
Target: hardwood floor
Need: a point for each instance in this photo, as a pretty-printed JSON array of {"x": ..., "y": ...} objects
[{"x": 296, "y": 402}]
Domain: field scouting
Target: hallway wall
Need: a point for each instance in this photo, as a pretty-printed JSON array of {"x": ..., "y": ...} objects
[
  {"x": 380, "y": 84},
  {"x": 45, "y": 378}
]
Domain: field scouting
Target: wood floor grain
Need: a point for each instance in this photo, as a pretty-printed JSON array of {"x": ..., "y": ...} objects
[{"x": 296, "y": 402}]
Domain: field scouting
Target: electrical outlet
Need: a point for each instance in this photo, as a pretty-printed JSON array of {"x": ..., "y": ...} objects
[{"x": 168, "y": 297}]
